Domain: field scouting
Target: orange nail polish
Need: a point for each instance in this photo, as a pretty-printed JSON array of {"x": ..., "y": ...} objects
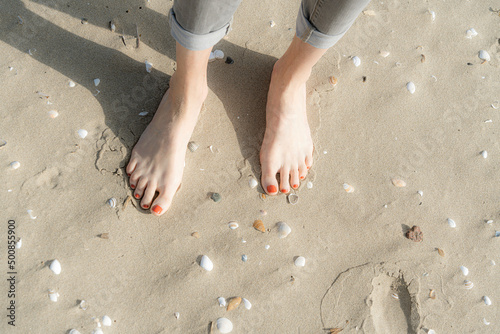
[
  {"x": 284, "y": 191},
  {"x": 295, "y": 186},
  {"x": 302, "y": 177},
  {"x": 157, "y": 209},
  {"x": 145, "y": 206},
  {"x": 128, "y": 174},
  {"x": 137, "y": 196},
  {"x": 132, "y": 186},
  {"x": 308, "y": 167},
  {"x": 271, "y": 189}
]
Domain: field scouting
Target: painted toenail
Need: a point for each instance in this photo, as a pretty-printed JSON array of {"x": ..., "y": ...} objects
[
  {"x": 295, "y": 186},
  {"x": 132, "y": 186},
  {"x": 302, "y": 177},
  {"x": 137, "y": 196},
  {"x": 308, "y": 167},
  {"x": 129, "y": 174},
  {"x": 157, "y": 209},
  {"x": 271, "y": 189},
  {"x": 145, "y": 206},
  {"x": 284, "y": 190}
]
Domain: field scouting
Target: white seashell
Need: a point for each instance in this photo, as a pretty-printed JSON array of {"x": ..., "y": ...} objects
[
  {"x": 192, "y": 146},
  {"x": 283, "y": 230},
  {"x": 83, "y": 305},
  {"x": 464, "y": 270},
  {"x": 394, "y": 295},
  {"x": 452, "y": 223},
  {"x": 97, "y": 82},
  {"x": 495, "y": 105},
  {"x": 384, "y": 54},
  {"x": 267, "y": 246},
  {"x": 468, "y": 284},
  {"x": 484, "y": 154},
  {"x": 71, "y": 84},
  {"x": 97, "y": 331},
  {"x": 486, "y": 322},
  {"x": 149, "y": 66},
  {"x": 74, "y": 331},
  {"x": 433, "y": 15},
  {"x": 222, "y": 301},
  {"x": 489, "y": 222},
  {"x": 82, "y": 133},
  {"x": 421, "y": 193},
  {"x": 233, "y": 225},
  {"x": 493, "y": 263},
  {"x": 252, "y": 183},
  {"x": 30, "y": 213},
  {"x": 55, "y": 266},
  {"x": 53, "y": 114},
  {"x": 272, "y": 24},
  {"x": 487, "y": 300},
  {"x": 293, "y": 198},
  {"x": 218, "y": 54},
  {"x": 348, "y": 188},
  {"x": 144, "y": 113},
  {"x": 356, "y": 61},
  {"x": 484, "y": 55},
  {"x": 53, "y": 295},
  {"x": 431, "y": 331},
  {"x": 15, "y": 164},
  {"x": 309, "y": 185},
  {"x": 206, "y": 263},
  {"x": 247, "y": 303},
  {"x": 369, "y": 12},
  {"x": 111, "y": 202},
  {"x": 177, "y": 315},
  {"x": 244, "y": 258},
  {"x": 411, "y": 87},
  {"x": 471, "y": 33},
  {"x": 300, "y": 261},
  {"x": 398, "y": 183},
  {"x": 224, "y": 325},
  {"x": 19, "y": 243},
  {"x": 106, "y": 321}
]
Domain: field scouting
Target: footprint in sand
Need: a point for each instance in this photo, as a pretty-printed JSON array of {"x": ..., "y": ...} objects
[{"x": 364, "y": 298}]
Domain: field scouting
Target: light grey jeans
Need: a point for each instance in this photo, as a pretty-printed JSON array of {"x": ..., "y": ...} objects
[{"x": 200, "y": 24}]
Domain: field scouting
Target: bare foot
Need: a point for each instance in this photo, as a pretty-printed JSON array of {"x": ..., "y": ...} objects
[
  {"x": 157, "y": 160},
  {"x": 287, "y": 147}
]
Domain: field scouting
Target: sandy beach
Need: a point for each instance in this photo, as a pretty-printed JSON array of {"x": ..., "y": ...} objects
[{"x": 361, "y": 273}]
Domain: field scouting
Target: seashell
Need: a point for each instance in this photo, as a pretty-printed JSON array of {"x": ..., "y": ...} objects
[
  {"x": 432, "y": 294},
  {"x": 300, "y": 261},
  {"x": 348, "y": 188},
  {"x": 272, "y": 23},
  {"x": 487, "y": 300},
  {"x": 224, "y": 325},
  {"x": 19, "y": 243},
  {"x": 196, "y": 235},
  {"x": 244, "y": 258},
  {"x": 422, "y": 58},
  {"x": 420, "y": 192},
  {"x": 149, "y": 66},
  {"x": 293, "y": 199},
  {"x": 82, "y": 133},
  {"x": 309, "y": 185},
  {"x": 233, "y": 225},
  {"x": 83, "y": 305},
  {"x": 433, "y": 15},
  {"x": 333, "y": 80},
  {"x": 399, "y": 183},
  {"x": 464, "y": 270},
  {"x": 206, "y": 263},
  {"x": 112, "y": 26},
  {"x": 497, "y": 234},
  {"x": 112, "y": 202},
  {"x": 486, "y": 322},
  {"x": 222, "y": 301},
  {"x": 144, "y": 113},
  {"x": 259, "y": 226},
  {"x": 73, "y": 331},
  {"x": 451, "y": 222},
  {"x": 97, "y": 81},
  {"x": 471, "y": 33},
  {"x": 71, "y": 84},
  {"x": 267, "y": 246},
  {"x": 106, "y": 321},
  {"x": 263, "y": 212},
  {"x": 484, "y": 154},
  {"x": 247, "y": 303},
  {"x": 233, "y": 303},
  {"x": 177, "y": 315},
  {"x": 468, "y": 284},
  {"x": 394, "y": 295},
  {"x": 484, "y": 55},
  {"x": 335, "y": 330},
  {"x": 53, "y": 114},
  {"x": 431, "y": 331},
  {"x": 411, "y": 87},
  {"x": 216, "y": 197},
  {"x": 493, "y": 263},
  {"x": 15, "y": 164},
  {"x": 97, "y": 331},
  {"x": 262, "y": 196},
  {"x": 369, "y": 12},
  {"x": 2, "y": 143},
  {"x": 30, "y": 213},
  {"x": 192, "y": 146},
  {"x": 384, "y": 54},
  {"x": 283, "y": 230},
  {"x": 356, "y": 61},
  {"x": 440, "y": 252},
  {"x": 55, "y": 266},
  {"x": 85, "y": 21},
  {"x": 489, "y": 222},
  {"x": 53, "y": 295},
  {"x": 252, "y": 182},
  {"x": 218, "y": 54},
  {"x": 104, "y": 236}
]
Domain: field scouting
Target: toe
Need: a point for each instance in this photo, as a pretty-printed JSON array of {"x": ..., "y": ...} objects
[
  {"x": 309, "y": 161},
  {"x": 302, "y": 171},
  {"x": 133, "y": 180},
  {"x": 147, "y": 198},
  {"x": 269, "y": 182},
  {"x": 131, "y": 166},
  {"x": 284, "y": 180},
  {"x": 162, "y": 202},
  {"x": 294, "y": 178},
  {"x": 140, "y": 187}
]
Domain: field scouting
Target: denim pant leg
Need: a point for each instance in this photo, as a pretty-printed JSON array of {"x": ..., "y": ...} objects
[
  {"x": 200, "y": 24},
  {"x": 321, "y": 23}
]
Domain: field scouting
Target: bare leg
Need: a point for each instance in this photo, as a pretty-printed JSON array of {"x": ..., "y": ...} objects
[
  {"x": 287, "y": 147},
  {"x": 157, "y": 160}
]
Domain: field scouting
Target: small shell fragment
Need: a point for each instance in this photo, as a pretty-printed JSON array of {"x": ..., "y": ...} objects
[
  {"x": 73, "y": 331},
  {"x": 433, "y": 15},
  {"x": 216, "y": 197},
  {"x": 484, "y": 154},
  {"x": 283, "y": 230},
  {"x": 293, "y": 198},
  {"x": 244, "y": 258},
  {"x": 177, "y": 315},
  {"x": 53, "y": 113},
  {"x": 440, "y": 252},
  {"x": 348, "y": 188},
  {"x": 19, "y": 243},
  {"x": 233, "y": 225},
  {"x": 399, "y": 183},
  {"x": 112, "y": 202},
  {"x": 421, "y": 193},
  {"x": 487, "y": 300},
  {"x": 112, "y": 26},
  {"x": 192, "y": 146},
  {"x": 30, "y": 213},
  {"x": 53, "y": 295},
  {"x": 489, "y": 222},
  {"x": 82, "y": 133},
  {"x": 206, "y": 263},
  {"x": 451, "y": 222},
  {"x": 431, "y": 331},
  {"x": 83, "y": 305},
  {"x": 300, "y": 261},
  {"x": 333, "y": 80},
  {"x": 55, "y": 266},
  {"x": 356, "y": 61},
  {"x": 272, "y": 24},
  {"x": 196, "y": 235},
  {"x": 422, "y": 58},
  {"x": 97, "y": 81},
  {"x": 143, "y": 113},
  {"x": 71, "y": 84},
  {"x": 471, "y": 33},
  {"x": 486, "y": 322},
  {"x": 97, "y": 331},
  {"x": 484, "y": 55},
  {"x": 252, "y": 183},
  {"x": 259, "y": 226},
  {"x": 106, "y": 321},
  {"x": 233, "y": 303},
  {"x": 468, "y": 284},
  {"x": 394, "y": 295},
  {"x": 411, "y": 87},
  {"x": 369, "y": 12},
  {"x": 309, "y": 185},
  {"x": 15, "y": 164},
  {"x": 222, "y": 301},
  {"x": 432, "y": 294},
  {"x": 149, "y": 66},
  {"x": 247, "y": 303},
  {"x": 224, "y": 325},
  {"x": 384, "y": 54},
  {"x": 497, "y": 234},
  {"x": 464, "y": 270}
]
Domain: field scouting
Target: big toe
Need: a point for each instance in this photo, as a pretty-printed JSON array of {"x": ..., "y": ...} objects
[{"x": 269, "y": 182}]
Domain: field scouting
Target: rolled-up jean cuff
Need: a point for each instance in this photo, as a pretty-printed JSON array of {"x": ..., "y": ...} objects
[
  {"x": 196, "y": 42},
  {"x": 309, "y": 34}
]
